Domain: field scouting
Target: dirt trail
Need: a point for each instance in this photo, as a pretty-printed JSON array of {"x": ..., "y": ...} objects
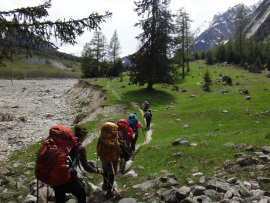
[{"x": 101, "y": 197}]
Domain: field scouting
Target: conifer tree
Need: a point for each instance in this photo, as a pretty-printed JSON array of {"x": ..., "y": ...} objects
[
  {"x": 151, "y": 63},
  {"x": 87, "y": 62},
  {"x": 240, "y": 21},
  {"x": 114, "y": 48},
  {"x": 28, "y": 28},
  {"x": 98, "y": 47},
  {"x": 184, "y": 38}
]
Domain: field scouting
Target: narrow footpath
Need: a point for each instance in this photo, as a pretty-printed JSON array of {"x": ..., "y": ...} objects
[{"x": 101, "y": 196}]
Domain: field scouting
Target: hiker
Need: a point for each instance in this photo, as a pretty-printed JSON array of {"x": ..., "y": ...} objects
[
  {"x": 128, "y": 135},
  {"x": 75, "y": 185},
  {"x": 148, "y": 118},
  {"x": 135, "y": 124},
  {"x": 119, "y": 133},
  {"x": 145, "y": 106},
  {"x": 109, "y": 151}
]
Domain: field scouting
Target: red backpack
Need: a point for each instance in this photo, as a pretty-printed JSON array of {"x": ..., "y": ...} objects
[
  {"x": 52, "y": 165},
  {"x": 123, "y": 126}
]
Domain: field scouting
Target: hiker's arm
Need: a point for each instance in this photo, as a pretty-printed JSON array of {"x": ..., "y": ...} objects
[{"x": 85, "y": 163}]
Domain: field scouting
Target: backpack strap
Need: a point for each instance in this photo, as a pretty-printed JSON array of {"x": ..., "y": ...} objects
[{"x": 75, "y": 162}]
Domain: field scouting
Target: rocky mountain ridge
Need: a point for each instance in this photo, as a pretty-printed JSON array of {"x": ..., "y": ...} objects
[{"x": 207, "y": 35}]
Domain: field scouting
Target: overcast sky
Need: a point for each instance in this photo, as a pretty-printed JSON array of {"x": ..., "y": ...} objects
[{"x": 123, "y": 18}]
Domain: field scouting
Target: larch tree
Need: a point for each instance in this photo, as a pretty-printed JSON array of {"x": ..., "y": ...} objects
[
  {"x": 28, "y": 28},
  {"x": 114, "y": 48},
  {"x": 98, "y": 47},
  {"x": 151, "y": 63},
  {"x": 184, "y": 37},
  {"x": 240, "y": 22}
]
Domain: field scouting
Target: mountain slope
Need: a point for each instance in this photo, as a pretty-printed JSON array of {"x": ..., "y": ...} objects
[
  {"x": 260, "y": 23},
  {"x": 221, "y": 23}
]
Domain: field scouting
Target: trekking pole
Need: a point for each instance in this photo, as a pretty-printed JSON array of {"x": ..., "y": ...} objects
[{"x": 108, "y": 182}]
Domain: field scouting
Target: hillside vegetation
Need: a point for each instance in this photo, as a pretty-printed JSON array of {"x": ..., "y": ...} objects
[
  {"x": 19, "y": 69},
  {"x": 207, "y": 119}
]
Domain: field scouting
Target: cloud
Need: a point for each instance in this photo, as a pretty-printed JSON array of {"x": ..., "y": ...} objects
[{"x": 123, "y": 19}]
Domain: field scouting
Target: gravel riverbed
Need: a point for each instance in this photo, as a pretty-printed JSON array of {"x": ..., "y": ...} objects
[{"x": 28, "y": 108}]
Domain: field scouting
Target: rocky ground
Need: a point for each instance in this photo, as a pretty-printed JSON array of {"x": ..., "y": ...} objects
[{"x": 28, "y": 108}]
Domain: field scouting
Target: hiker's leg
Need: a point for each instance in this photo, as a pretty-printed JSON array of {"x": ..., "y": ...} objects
[
  {"x": 132, "y": 148},
  {"x": 111, "y": 181},
  {"x": 78, "y": 191},
  {"x": 60, "y": 196},
  {"x": 105, "y": 180},
  {"x": 136, "y": 137}
]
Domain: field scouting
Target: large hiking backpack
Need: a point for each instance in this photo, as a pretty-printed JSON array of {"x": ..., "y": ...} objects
[
  {"x": 132, "y": 121},
  {"x": 108, "y": 147},
  {"x": 52, "y": 165},
  {"x": 148, "y": 114},
  {"x": 145, "y": 106},
  {"x": 123, "y": 128}
]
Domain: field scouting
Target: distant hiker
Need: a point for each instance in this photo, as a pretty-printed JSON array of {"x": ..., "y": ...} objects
[
  {"x": 63, "y": 137},
  {"x": 128, "y": 135},
  {"x": 109, "y": 150},
  {"x": 135, "y": 124},
  {"x": 148, "y": 118},
  {"x": 145, "y": 106}
]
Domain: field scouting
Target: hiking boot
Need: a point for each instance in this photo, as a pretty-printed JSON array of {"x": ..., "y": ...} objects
[
  {"x": 109, "y": 195},
  {"x": 104, "y": 187}
]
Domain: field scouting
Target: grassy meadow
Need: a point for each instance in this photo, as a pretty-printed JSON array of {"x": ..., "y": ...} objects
[
  {"x": 19, "y": 69},
  {"x": 244, "y": 121}
]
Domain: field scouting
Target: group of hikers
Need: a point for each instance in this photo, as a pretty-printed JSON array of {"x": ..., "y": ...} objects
[{"x": 116, "y": 143}]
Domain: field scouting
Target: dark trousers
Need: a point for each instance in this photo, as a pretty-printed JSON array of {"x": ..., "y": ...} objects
[
  {"x": 148, "y": 121},
  {"x": 108, "y": 180},
  {"x": 74, "y": 187},
  {"x": 133, "y": 142}
]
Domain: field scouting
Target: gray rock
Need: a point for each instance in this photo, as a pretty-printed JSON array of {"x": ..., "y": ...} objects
[
  {"x": 246, "y": 161},
  {"x": 6, "y": 195},
  {"x": 30, "y": 199},
  {"x": 180, "y": 141},
  {"x": 169, "y": 196},
  {"x": 243, "y": 190},
  {"x": 266, "y": 149},
  {"x": 228, "y": 145},
  {"x": 217, "y": 184},
  {"x": 127, "y": 200},
  {"x": 148, "y": 184},
  {"x": 3, "y": 170},
  {"x": 263, "y": 179},
  {"x": 198, "y": 190},
  {"x": 189, "y": 200},
  {"x": 183, "y": 192}
]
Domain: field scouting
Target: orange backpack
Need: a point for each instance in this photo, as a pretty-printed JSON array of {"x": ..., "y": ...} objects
[
  {"x": 108, "y": 147},
  {"x": 52, "y": 165}
]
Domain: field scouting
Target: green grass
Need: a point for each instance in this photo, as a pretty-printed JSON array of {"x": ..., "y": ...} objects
[
  {"x": 247, "y": 121},
  {"x": 18, "y": 69}
]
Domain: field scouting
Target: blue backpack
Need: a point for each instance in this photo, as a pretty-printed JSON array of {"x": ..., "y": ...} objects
[{"x": 132, "y": 122}]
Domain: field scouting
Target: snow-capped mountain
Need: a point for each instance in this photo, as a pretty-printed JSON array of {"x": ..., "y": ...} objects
[{"x": 207, "y": 35}]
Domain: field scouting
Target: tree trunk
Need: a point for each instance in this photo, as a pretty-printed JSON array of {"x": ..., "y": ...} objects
[{"x": 149, "y": 86}]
